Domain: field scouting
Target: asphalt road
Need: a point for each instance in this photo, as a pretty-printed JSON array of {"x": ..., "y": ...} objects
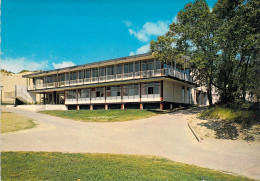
[{"x": 165, "y": 135}]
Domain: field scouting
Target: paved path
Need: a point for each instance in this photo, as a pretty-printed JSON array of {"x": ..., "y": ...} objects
[{"x": 166, "y": 135}]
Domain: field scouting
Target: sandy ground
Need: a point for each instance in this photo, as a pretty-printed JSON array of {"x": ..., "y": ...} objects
[{"x": 166, "y": 136}]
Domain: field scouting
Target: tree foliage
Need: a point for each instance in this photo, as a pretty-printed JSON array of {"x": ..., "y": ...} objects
[{"x": 223, "y": 45}]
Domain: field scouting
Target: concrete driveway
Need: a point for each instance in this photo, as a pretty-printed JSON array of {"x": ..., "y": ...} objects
[{"x": 165, "y": 135}]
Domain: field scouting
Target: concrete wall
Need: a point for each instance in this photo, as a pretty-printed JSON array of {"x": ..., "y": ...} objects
[
  {"x": 172, "y": 92},
  {"x": 9, "y": 81},
  {"x": 168, "y": 91},
  {"x": 42, "y": 107}
]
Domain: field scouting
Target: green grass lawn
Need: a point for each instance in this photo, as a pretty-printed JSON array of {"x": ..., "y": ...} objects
[
  {"x": 66, "y": 166},
  {"x": 14, "y": 122},
  {"x": 104, "y": 115}
]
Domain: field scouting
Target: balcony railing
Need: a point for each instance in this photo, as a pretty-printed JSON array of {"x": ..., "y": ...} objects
[{"x": 124, "y": 76}]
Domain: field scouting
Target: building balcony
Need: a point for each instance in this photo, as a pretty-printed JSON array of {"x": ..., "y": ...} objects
[{"x": 117, "y": 77}]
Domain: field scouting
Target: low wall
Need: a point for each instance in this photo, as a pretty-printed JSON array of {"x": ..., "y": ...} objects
[{"x": 42, "y": 107}]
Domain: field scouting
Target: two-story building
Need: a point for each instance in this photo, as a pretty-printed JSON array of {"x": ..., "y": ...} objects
[{"x": 134, "y": 81}]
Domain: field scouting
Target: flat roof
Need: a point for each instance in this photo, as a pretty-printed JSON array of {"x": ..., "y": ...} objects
[{"x": 88, "y": 64}]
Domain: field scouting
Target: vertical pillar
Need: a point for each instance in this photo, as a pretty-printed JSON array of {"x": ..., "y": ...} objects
[
  {"x": 91, "y": 107},
  {"x": 44, "y": 98},
  {"x": 161, "y": 106},
  {"x": 106, "y": 107},
  {"x": 122, "y": 106},
  {"x": 161, "y": 95},
  {"x": 141, "y": 106},
  {"x": 140, "y": 91},
  {"x": 77, "y": 107},
  {"x": 170, "y": 106}
]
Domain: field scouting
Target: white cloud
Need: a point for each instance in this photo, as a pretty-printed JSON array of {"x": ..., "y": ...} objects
[
  {"x": 62, "y": 65},
  {"x": 131, "y": 53},
  {"x": 149, "y": 29},
  {"x": 16, "y": 65},
  {"x": 127, "y": 23},
  {"x": 142, "y": 49}
]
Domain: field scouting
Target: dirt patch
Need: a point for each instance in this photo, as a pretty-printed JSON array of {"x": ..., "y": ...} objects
[{"x": 221, "y": 129}]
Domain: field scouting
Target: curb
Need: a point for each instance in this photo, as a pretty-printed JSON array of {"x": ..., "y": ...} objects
[{"x": 194, "y": 133}]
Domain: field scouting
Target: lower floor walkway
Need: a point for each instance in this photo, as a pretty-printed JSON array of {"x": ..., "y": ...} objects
[{"x": 165, "y": 135}]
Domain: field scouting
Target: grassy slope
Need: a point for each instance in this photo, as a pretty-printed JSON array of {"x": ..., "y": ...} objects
[
  {"x": 103, "y": 115},
  {"x": 241, "y": 119},
  {"x": 65, "y": 166},
  {"x": 14, "y": 122}
]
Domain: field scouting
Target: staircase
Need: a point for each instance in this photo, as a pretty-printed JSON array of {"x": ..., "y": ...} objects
[{"x": 23, "y": 96}]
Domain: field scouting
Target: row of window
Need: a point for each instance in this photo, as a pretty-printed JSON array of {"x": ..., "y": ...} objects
[
  {"x": 103, "y": 71},
  {"x": 114, "y": 91}
]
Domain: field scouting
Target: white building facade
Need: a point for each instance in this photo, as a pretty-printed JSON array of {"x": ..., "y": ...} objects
[{"x": 138, "y": 81}]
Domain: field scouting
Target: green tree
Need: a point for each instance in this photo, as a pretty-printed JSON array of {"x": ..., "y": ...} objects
[
  {"x": 223, "y": 45},
  {"x": 238, "y": 40},
  {"x": 192, "y": 35}
]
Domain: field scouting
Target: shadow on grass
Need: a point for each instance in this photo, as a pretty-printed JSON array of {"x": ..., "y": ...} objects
[{"x": 187, "y": 110}]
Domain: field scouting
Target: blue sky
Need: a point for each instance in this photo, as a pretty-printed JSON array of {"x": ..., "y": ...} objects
[{"x": 48, "y": 34}]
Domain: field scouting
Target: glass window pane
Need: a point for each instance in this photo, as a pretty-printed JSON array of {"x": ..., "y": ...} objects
[
  {"x": 118, "y": 71},
  {"x": 118, "y": 91},
  {"x": 136, "y": 89},
  {"x": 87, "y": 73},
  {"x": 137, "y": 66},
  {"x": 144, "y": 65},
  {"x": 125, "y": 68},
  {"x": 131, "y": 67},
  {"x": 102, "y": 71},
  {"x": 150, "y": 90},
  {"x": 150, "y": 65},
  {"x": 158, "y": 64},
  {"x": 156, "y": 88}
]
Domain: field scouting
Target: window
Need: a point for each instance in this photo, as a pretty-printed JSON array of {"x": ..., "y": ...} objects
[
  {"x": 62, "y": 77},
  {"x": 115, "y": 91},
  {"x": 144, "y": 65},
  {"x": 137, "y": 66},
  {"x": 125, "y": 90},
  {"x": 100, "y": 92},
  {"x": 150, "y": 88},
  {"x": 68, "y": 76},
  {"x": 73, "y": 75},
  {"x": 49, "y": 79},
  {"x": 102, "y": 71},
  {"x": 108, "y": 91},
  {"x": 157, "y": 88},
  {"x": 84, "y": 93},
  {"x": 144, "y": 89},
  {"x": 136, "y": 89},
  {"x": 131, "y": 90},
  {"x": 158, "y": 64},
  {"x": 110, "y": 70},
  {"x": 81, "y": 74},
  {"x": 87, "y": 73},
  {"x": 126, "y": 66},
  {"x": 71, "y": 94},
  {"x": 118, "y": 69},
  {"x": 95, "y": 72},
  {"x": 150, "y": 65},
  {"x": 93, "y": 93},
  {"x": 131, "y": 67}
]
